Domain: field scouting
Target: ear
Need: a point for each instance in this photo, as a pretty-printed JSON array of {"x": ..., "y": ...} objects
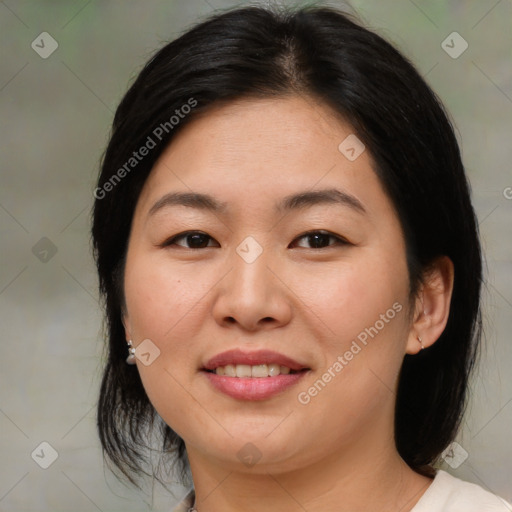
[{"x": 432, "y": 305}]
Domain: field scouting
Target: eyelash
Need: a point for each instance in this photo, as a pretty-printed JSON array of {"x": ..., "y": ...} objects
[{"x": 341, "y": 241}]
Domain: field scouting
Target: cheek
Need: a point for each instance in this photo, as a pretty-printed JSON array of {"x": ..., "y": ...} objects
[
  {"x": 356, "y": 386},
  {"x": 164, "y": 304},
  {"x": 360, "y": 308},
  {"x": 159, "y": 296},
  {"x": 345, "y": 299}
]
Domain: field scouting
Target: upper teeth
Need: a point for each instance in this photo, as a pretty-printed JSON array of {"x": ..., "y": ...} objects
[{"x": 245, "y": 370}]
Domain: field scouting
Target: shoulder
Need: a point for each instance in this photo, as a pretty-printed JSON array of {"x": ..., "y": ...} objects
[{"x": 450, "y": 494}]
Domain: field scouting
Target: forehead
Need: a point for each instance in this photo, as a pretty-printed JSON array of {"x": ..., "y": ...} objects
[
  {"x": 291, "y": 126},
  {"x": 260, "y": 150}
]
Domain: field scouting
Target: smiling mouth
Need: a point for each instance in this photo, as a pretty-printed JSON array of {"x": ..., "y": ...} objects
[{"x": 250, "y": 371}]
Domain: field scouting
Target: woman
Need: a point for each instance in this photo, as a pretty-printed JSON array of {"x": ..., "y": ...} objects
[{"x": 290, "y": 260}]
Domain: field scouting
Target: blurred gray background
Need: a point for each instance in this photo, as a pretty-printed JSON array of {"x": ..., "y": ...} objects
[{"x": 56, "y": 111}]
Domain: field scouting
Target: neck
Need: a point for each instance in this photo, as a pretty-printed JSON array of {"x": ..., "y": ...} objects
[{"x": 358, "y": 478}]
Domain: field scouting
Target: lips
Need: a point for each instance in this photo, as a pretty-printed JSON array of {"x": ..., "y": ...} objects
[{"x": 253, "y": 388}]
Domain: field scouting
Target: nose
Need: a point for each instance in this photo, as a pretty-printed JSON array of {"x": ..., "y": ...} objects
[{"x": 253, "y": 295}]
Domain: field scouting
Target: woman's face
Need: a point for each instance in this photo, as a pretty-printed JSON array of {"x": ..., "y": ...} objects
[{"x": 334, "y": 302}]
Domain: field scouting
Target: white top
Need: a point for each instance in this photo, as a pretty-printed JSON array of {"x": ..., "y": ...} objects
[
  {"x": 445, "y": 494},
  {"x": 450, "y": 494}
]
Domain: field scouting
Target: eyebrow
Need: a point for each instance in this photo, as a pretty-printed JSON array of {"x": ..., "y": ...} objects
[{"x": 297, "y": 201}]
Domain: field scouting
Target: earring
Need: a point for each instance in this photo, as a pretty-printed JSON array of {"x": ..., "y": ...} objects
[
  {"x": 421, "y": 343},
  {"x": 131, "y": 353}
]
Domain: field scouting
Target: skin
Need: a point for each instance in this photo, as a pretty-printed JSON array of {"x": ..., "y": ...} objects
[{"x": 336, "y": 452}]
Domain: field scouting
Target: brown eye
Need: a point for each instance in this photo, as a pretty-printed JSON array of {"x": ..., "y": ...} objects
[
  {"x": 320, "y": 239},
  {"x": 195, "y": 239}
]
